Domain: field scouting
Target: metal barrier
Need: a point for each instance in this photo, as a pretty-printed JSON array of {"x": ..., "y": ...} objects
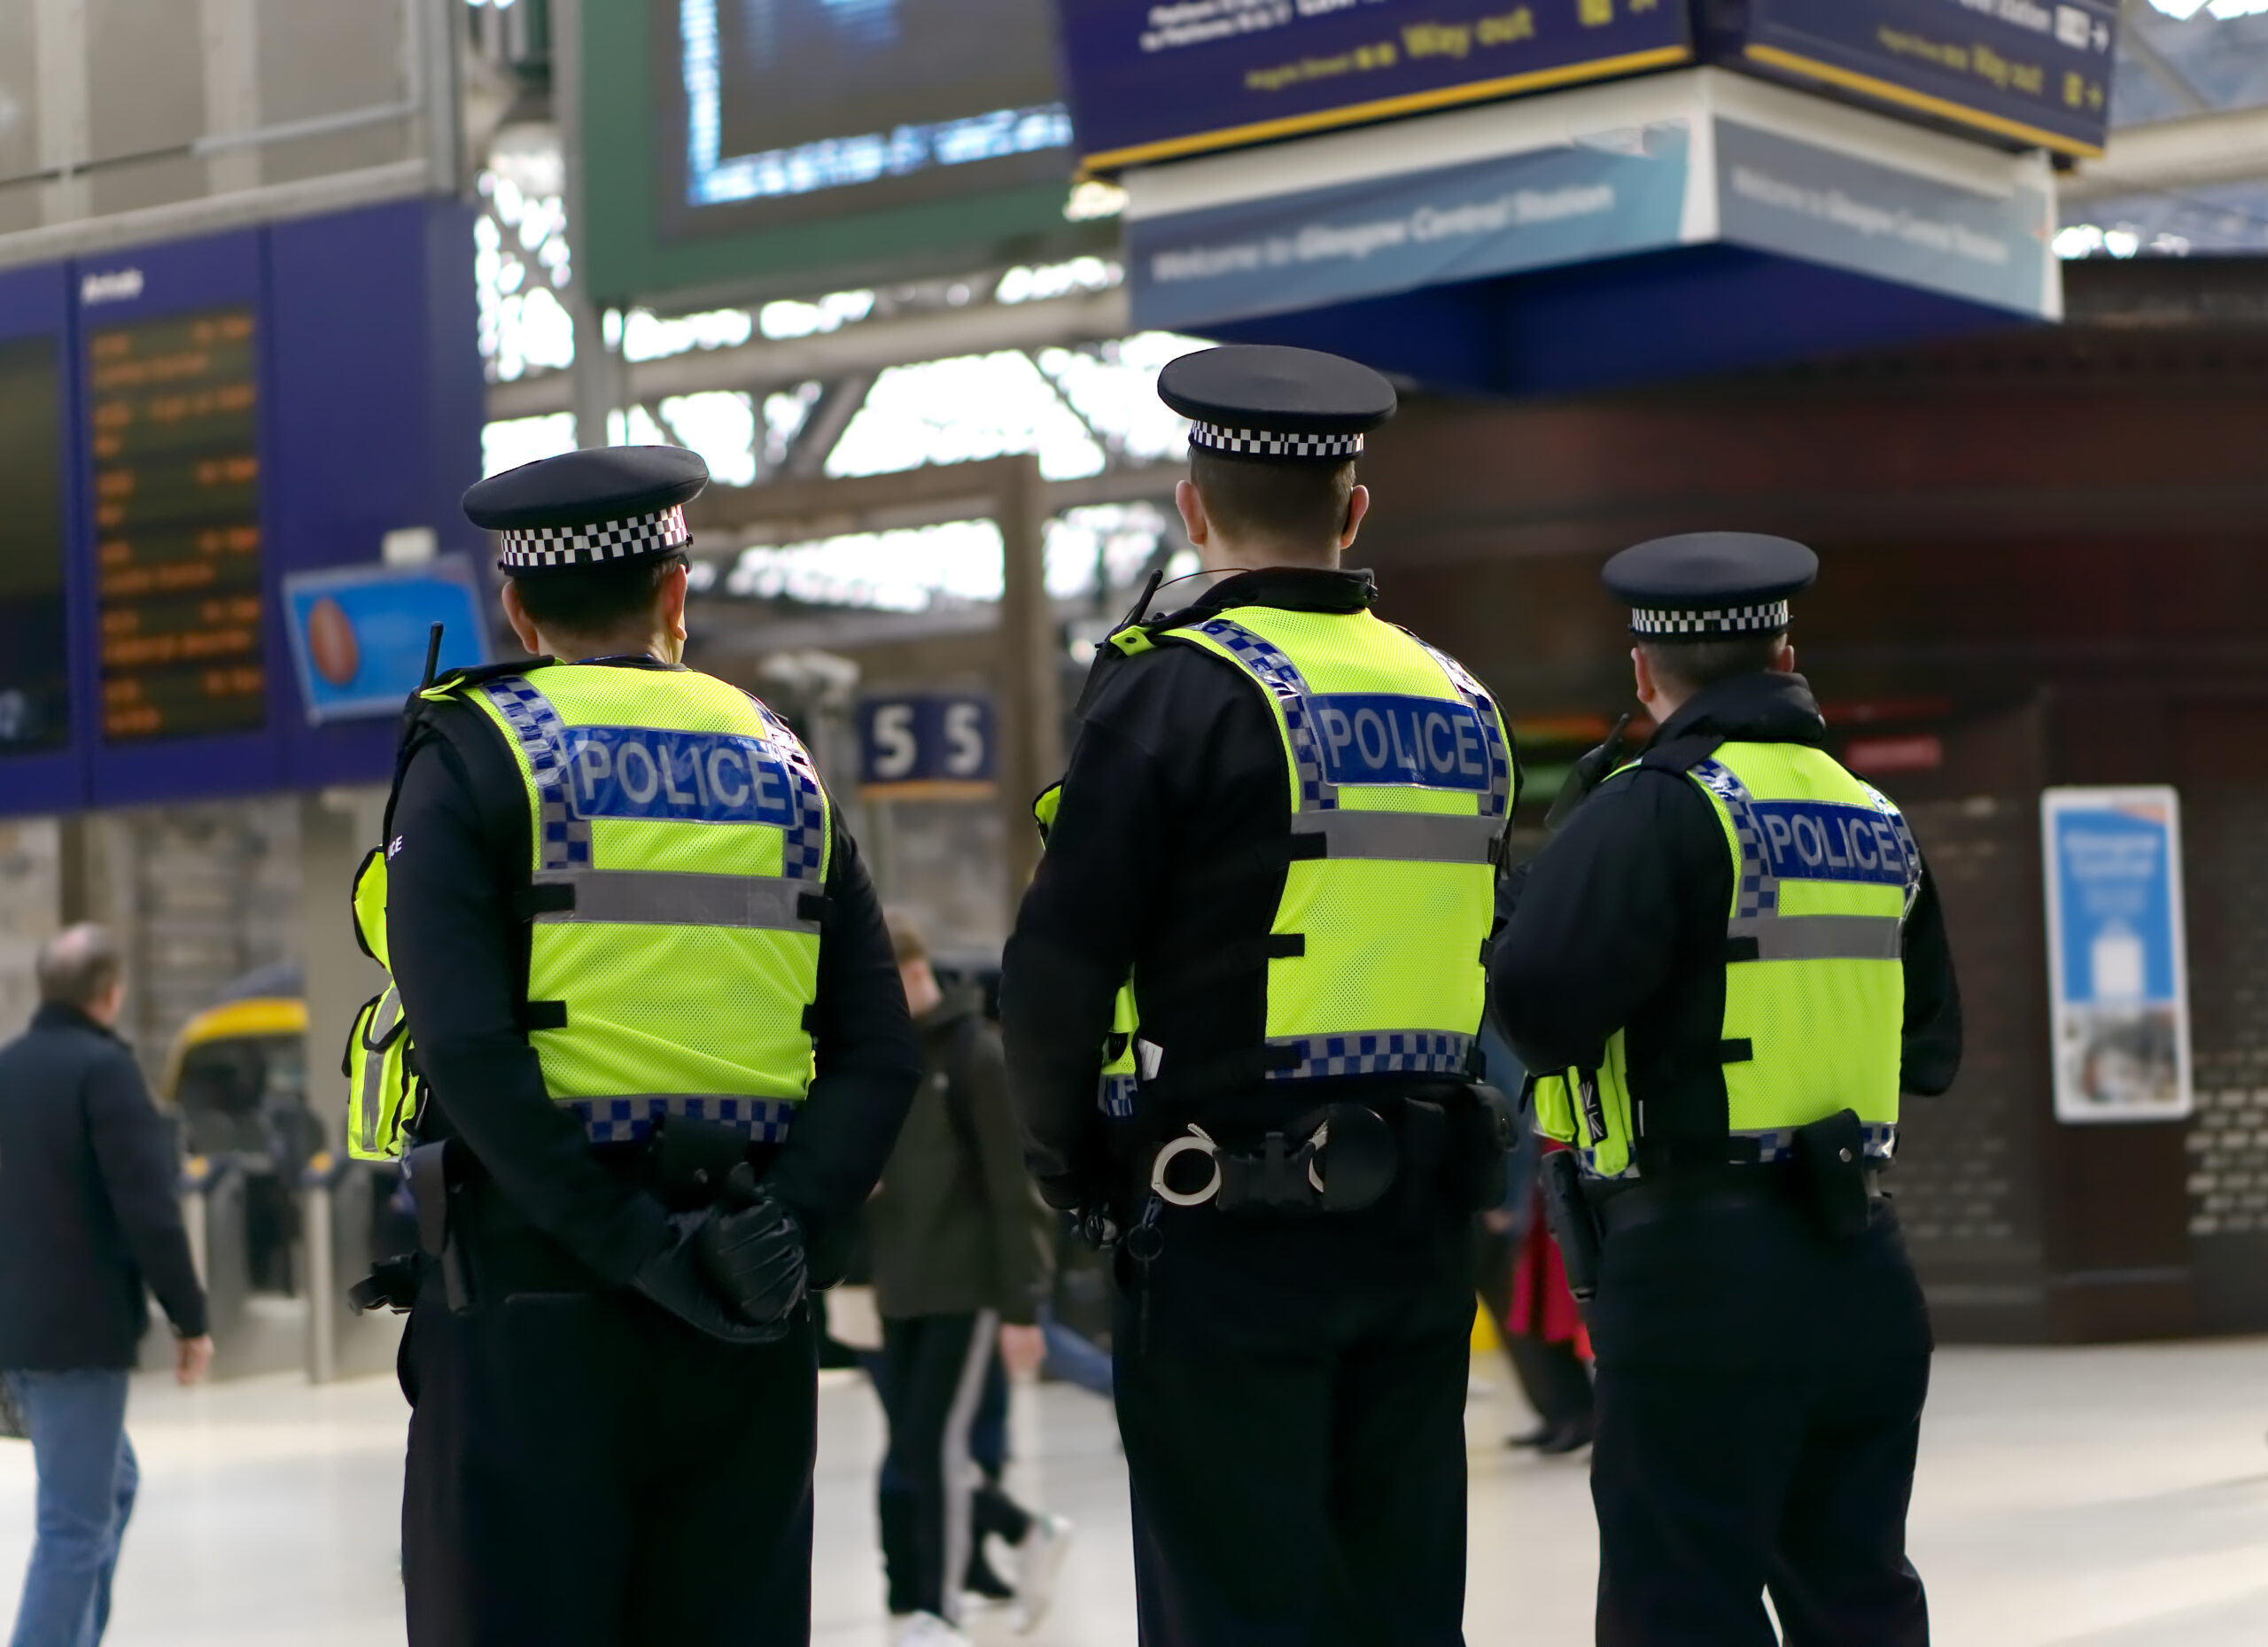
[
  {"x": 241, "y": 1217},
  {"x": 348, "y": 1221}
]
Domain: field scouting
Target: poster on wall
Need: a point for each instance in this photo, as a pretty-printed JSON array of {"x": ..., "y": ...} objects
[{"x": 2118, "y": 983}]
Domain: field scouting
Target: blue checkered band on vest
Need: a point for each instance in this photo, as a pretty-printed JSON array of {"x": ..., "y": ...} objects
[
  {"x": 627, "y": 1120},
  {"x": 1767, "y": 618},
  {"x": 1384, "y": 1052},
  {"x": 1114, "y": 1096},
  {"x": 1759, "y": 889},
  {"x": 527, "y": 548},
  {"x": 1282, "y": 677},
  {"x": 566, "y": 843},
  {"x": 1272, "y": 442},
  {"x": 803, "y": 854}
]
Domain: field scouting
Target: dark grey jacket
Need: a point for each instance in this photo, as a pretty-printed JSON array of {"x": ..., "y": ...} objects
[
  {"x": 956, "y": 1227},
  {"x": 87, "y": 1207}
]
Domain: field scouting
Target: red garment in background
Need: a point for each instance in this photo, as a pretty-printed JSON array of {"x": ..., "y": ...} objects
[{"x": 1542, "y": 1306}]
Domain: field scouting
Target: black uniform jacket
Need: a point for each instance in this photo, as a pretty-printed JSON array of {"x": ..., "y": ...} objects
[
  {"x": 459, "y": 846},
  {"x": 1620, "y": 925},
  {"x": 87, "y": 1208},
  {"x": 1177, "y": 775}
]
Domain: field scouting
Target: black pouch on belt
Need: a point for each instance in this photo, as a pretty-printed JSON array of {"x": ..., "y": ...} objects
[
  {"x": 692, "y": 1159},
  {"x": 1832, "y": 1155},
  {"x": 439, "y": 1217},
  {"x": 1482, "y": 1131},
  {"x": 1573, "y": 1224}
]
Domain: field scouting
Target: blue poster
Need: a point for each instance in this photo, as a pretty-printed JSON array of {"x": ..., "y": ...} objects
[
  {"x": 359, "y": 634},
  {"x": 2118, "y": 974},
  {"x": 2035, "y": 73},
  {"x": 1499, "y": 216},
  {"x": 1151, "y": 82}
]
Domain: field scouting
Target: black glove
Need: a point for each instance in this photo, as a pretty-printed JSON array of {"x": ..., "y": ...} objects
[
  {"x": 752, "y": 1251},
  {"x": 677, "y": 1278}
]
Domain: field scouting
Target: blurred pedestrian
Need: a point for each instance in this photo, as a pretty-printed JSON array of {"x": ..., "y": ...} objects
[
  {"x": 959, "y": 1247},
  {"x": 1543, "y": 1331},
  {"x": 1240, "y": 1004},
  {"x": 1731, "y": 960},
  {"x": 88, "y": 1218}
]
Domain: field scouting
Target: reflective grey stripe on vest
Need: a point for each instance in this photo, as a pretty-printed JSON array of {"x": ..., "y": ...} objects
[
  {"x": 1406, "y": 837},
  {"x": 378, "y": 1040},
  {"x": 1821, "y": 937},
  {"x": 666, "y": 899}
]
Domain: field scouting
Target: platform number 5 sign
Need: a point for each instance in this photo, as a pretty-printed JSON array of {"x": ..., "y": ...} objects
[{"x": 932, "y": 744}]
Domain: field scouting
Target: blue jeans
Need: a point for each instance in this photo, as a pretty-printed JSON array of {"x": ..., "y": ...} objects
[{"x": 86, "y": 1477}]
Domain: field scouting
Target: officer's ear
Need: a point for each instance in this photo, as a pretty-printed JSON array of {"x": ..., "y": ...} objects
[
  {"x": 1358, "y": 504},
  {"x": 515, "y": 614},
  {"x": 1785, "y": 662},
  {"x": 671, "y": 610},
  {"x": 1194, "y": 521}
]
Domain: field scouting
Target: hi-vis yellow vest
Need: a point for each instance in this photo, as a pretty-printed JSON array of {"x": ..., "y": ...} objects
[
  {"x": 678, "y": 843},
  {"x": 1401, "y": 785},
  {"x": 1824, "y": 873}
]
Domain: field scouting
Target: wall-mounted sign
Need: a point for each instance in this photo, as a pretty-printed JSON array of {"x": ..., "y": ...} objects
[
  {"x": 926, "y": 745},
  {"x": 2117, "y": 968},
  {"x": 359, "y": 634}
]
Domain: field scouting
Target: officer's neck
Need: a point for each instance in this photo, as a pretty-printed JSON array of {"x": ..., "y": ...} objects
[
  {"x": 1222, "y": 555},
  {"x": 655, "y": 643}
]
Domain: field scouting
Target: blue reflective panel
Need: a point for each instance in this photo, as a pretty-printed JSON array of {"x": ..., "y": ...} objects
[
  {"x": 698, "y": 777},
  {"x": 1411, "y": 742},
  {"x": 1819, "y": 841}
]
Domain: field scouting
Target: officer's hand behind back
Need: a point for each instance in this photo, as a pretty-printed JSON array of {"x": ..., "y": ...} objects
[
  {"x": 678, "y": 1279},
  {"x": 752, "y": 1250}
]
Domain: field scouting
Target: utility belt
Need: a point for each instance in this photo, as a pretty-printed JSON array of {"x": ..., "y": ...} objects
[
  {"x": 1827, "y": 1176},
  {"x": 484, "y": 1246},
  {"x": 1341, "y": 1157}
]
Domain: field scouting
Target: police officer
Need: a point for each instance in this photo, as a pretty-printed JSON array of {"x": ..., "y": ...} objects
[
  {"x": 664, "y": 1054},
  {"x": 1278, "y": 825},
  {"x": 1732, "y": 956}
]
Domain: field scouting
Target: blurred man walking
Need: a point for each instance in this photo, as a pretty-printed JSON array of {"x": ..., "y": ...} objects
[{"x": 86, "y": 1211}]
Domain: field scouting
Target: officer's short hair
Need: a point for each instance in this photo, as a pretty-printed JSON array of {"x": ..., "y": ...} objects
[
  {"x": 1272, "y": 498},
  {"x": 594, "y": 600},
  {"x": 78, "y": 966},
  {"x": 1693, "y": 664},
  {"x": 907, "y": 943}
]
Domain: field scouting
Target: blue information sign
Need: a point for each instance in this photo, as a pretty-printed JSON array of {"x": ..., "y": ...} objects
[
  {"x": 1539, "y": 210},
  {"x": 359, "y": 634},
  {"x": 1150, "y": 82},
  {"x": 927, "y": 745},
  {"x": 2118, "y": 975},
  {"x": 2036, "y": 73}
]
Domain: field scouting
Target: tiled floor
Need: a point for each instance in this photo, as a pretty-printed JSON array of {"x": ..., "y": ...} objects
[{"x": 2112, "y": 1497}]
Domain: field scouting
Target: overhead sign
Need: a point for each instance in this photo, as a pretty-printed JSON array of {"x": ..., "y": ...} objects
[
  {"x": 359, "y": 634},
  {"x": 926, "y": 745},
  {"x": 1317, "y": 246},
  {"x": 1303, "y": 241},
  {"x": 2030, "y": 72},
  {"x": 1154, "y": 82},
  {"x": 2117, "y": 963}
]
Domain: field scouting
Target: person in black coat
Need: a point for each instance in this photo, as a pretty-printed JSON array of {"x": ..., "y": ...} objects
[{"x": 86, "y": 1209}]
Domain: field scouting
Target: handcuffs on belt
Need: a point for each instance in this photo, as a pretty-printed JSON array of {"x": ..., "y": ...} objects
[{"x": 1345, "y": 1163}]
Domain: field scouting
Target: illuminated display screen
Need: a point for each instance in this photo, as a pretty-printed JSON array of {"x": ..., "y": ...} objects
[
  {"x": 173, "y": 416},
  {"x": 34, "y": 698},
  {"x": 790, "y": 111}
]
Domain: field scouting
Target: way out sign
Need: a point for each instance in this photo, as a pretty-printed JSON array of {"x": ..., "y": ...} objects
[
  {"x": 2118, "y": 963},
  {"x": 926, "y": 745}
]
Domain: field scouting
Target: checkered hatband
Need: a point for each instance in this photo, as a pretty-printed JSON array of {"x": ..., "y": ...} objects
[
  {"x": 1272, "y": 443},
  {"x": 1767, "y": 618},
  {"x": 534, "y": 547}
]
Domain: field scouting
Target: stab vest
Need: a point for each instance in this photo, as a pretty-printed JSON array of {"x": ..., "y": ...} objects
[
  {"x": 1824, "y": 872},
  {"x": 1400, "y": 782},
  {"x": 679, "y": 841}
]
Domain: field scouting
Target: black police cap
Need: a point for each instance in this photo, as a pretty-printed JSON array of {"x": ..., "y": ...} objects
[
  {"x": 1267, "y": 400},
  {"x": 1702, "y": 586},
  {"x": 584, "y": 508}
]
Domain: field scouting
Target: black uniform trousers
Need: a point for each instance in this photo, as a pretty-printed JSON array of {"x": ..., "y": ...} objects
[
  {"x": 1759, "y": 1407},
  {"x": 586, "y": 1471},
  {"x": 1292, "y": 1401}
]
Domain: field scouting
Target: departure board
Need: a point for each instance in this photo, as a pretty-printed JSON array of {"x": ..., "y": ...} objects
[
  {"x": 33, "y": 669},
  {"x": 172, "y": 426}
]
